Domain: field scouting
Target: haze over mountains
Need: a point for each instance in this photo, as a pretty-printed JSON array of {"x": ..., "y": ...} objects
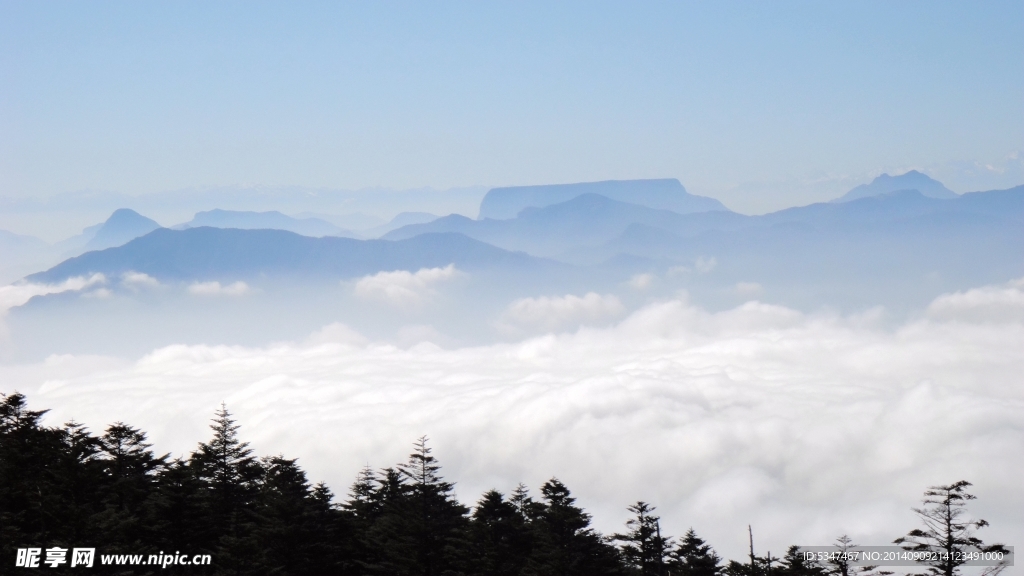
[{"x": 602, "y": 255}]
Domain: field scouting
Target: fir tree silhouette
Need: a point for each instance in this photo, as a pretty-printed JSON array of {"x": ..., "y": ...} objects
[
  {"x": 692, "y": 556},
  {"x": 565, "y": 543},
  {"x": 948, "y": 531},
  {"x": 229, "y": 475},
  {"x": 644, "y": 549},
  {"x": 499, "y": 535},
  {"x": 794, "y": 563}
]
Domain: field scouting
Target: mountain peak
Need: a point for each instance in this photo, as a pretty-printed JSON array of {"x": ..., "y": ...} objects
[
  {"x": 912, "y": 180},
  {"x": 123, "y": 226}
]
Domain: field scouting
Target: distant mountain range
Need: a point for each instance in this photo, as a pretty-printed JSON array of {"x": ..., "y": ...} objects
[
  {"x": 665, "y": 194},
  {"x": 585, "y": 220},
  {"x": 272, "y": 220},
  {"x": 232, "y": 254},
  {"x": 868, "y": 249}
]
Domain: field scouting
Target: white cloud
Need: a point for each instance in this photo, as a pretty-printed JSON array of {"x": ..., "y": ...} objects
[
  {"x": 988, "y": 304},
  {"x": 138, "y": 280},
  {"x": 559, "y": 312},
  {"x": 216, "y": 289},
  {"x": 403, "y": 288},
  {"x": 804, "y": 426},
  {"x": 17, "y": 294},
  {"x": 641, "y": 281}
]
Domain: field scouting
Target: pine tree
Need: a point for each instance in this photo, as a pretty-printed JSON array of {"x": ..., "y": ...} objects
[
  {"x": 416, "y": 525},
  {"x": 499, "y": 535},
  {"x": 29, "y": 453},
  {"x": 436, "y": 519},
  {"x": 293, "y": 524},
  {"x": 229, "y": 475},
  {"x": 692, "y": 556},
  {"x": 523, "y": 503},
  {"x": 130, "y": 465},
  {"x": 78, "y": 483},
  {"x": 565, "y": 543},
  {"x": 948, "y": 532},
  {"x": 178, "y": 512},
  {"x": 644, "y": 549},
  {"x": 131, "y": 470},
  {"x": 794, "y": 563},
  {"x": 383, "y": 542}
]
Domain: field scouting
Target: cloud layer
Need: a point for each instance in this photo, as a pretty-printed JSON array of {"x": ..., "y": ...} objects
[
  {"x": 804, "y": 426},
  {"x": 553, "y": 313}
]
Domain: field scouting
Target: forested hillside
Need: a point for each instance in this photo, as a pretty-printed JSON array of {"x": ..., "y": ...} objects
[{"x": 63, "y": 488}]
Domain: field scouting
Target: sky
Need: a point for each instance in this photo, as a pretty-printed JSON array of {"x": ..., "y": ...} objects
[{"x": 761, "y": 105}]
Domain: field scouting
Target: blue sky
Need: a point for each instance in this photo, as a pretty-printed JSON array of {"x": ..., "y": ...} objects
[{"x": 762, "y": 105}]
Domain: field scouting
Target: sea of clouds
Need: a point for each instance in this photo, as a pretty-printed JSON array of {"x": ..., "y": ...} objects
[{"x": 805, "y": 426}]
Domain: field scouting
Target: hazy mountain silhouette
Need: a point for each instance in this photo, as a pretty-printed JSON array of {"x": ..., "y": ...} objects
[
  {"x": 400, "y": 220},
  {"x": 585, "y": 220},
  {"x": 122, "y": 226},
  {"x": 912, "y": 180},
  {"x": 20, "y": 254},
  {"x": 347, "y": 221},
  {"x": 665, "y": 194},
  {"x": 272, "y": 220},
  {"x": 9, "y": 241},
  {"x": 901, "y": 245},
  {"x": 208, "y": 253}
]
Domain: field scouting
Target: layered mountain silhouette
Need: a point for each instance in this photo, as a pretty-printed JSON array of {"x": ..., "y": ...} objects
[
  {"x": 400, "y": 220},
  {"x": 585, "y": 220},
  {"x": 208, "y": 253},
  {"x": 901, "y": 246},
  {"x": 665, "y": 194},
  {"x": 912, "y": 180},
  {"x": 122, "y": 226},
  {"x": 882, "y": 247},
  {"x": 272, "y": 220}
]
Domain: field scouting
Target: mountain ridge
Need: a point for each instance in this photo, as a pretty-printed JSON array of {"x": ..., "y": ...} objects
[{"x": 208, "y": 253}]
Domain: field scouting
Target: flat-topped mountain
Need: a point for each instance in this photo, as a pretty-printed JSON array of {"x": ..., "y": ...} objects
[
  {"x": 588, "y": 219},
  {"x": 664, "y": 194}
]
